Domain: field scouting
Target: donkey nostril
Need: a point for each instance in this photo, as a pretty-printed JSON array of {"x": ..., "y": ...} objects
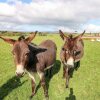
[
  {"x": 19, "y": 74},
  {"x": 22, "y": 73},
  {"x": 16, "y": 73}
]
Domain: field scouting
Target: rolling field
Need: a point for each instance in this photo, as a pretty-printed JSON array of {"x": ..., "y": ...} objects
[{"x": 84, "y": 85}]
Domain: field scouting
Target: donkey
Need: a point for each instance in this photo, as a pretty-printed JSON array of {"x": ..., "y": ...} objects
[
  {"x": 71, "y": 53},
  {"x": 30, "y": 58}
]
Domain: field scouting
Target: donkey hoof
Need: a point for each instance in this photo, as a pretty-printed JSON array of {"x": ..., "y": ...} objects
[
  {"x": 46, "y": 97},
  {"x": 66, "y": 86},
  {"x": 32, "y": 95}
]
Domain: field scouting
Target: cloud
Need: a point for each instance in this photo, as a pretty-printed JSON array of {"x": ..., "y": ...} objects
[
  {"x": 69, "y": 15},
  {"x": 92, "y": 28},
  {"x": 6, "y": 10},
  {"x": 66, "y": 29}
]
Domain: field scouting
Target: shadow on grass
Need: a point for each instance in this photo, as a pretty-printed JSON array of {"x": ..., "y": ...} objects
[
  {"x": 8, "y": 87},
  {"x": 76, "y": 67},
  {"x": 55, "y": 70},
  {"x": 71, "y": 95}
]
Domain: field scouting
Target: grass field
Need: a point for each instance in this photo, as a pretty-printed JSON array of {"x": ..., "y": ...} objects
[{"x": 84, "y": 85}]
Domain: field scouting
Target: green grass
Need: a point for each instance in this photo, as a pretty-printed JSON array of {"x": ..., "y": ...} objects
[{"x": 84, "y": 85}]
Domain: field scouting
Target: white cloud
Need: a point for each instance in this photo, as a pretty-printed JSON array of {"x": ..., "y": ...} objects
[
  {"x": 69, "y": 15},
  {"x": 66, "y": 29},
  {"x": 92, "y": 28},
  {"x": 7, "y": 10}
]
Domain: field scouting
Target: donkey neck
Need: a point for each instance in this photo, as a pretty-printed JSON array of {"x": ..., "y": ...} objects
[{"x": 32, "y": 58}]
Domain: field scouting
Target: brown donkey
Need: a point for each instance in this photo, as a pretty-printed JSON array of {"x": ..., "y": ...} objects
[
  {"x": 71, "y": 53},
  {"x": 31, "y": 58}
]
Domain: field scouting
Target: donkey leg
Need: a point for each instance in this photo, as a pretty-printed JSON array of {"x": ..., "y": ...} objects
[
  {"x": 49, "y": 71},
  {"x": 67, "y": 78},
  {"x": 43, "y": 83},
  {"x": 31, "y": 75},
  {"x": 33, "y": 88}
]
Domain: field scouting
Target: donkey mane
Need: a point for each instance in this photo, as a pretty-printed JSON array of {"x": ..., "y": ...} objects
[
  {"x": 70, "y": 36},
  {"x": 21, "y": 38}
]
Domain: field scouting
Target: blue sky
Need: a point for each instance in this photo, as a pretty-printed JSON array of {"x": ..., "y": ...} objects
[
  {"x": 26, "y": 1},
  {"x": 94, "y": 21},
  {"x": 50, "y": 15}
]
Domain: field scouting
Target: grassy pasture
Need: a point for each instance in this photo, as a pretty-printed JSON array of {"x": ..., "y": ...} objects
[{"x": 84, "y": 85}]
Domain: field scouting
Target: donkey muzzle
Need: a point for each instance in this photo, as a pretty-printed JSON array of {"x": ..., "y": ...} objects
[
  {"x": 19, "y": 74},
  {"x": 20, "y": 70},
  {"x": 70, "y": 62}
]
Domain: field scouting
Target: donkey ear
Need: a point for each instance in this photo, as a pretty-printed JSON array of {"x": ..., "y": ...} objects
[
  {"x": 8, "y": 40},
  {"x": 37, "y": 49},
  {"x": 80, "y": 36},
  {"x": 63, "y": 36},
  {"x": 31, "y": 37}
]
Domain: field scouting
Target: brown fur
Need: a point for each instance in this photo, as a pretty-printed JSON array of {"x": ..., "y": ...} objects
[
  {"x": 72, "y": 48},
  {"x": 33, "y": 58}
]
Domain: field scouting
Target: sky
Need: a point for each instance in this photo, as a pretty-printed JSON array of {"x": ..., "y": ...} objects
[{"x": 50, "y": 15}]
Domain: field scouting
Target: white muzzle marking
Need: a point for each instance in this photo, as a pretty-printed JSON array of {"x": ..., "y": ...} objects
[
  {"x": 70, "y": 61},
  {"x": 20, "y": 69}
]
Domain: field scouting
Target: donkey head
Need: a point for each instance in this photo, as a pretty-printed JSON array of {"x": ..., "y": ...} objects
[
  {"x": 70, "y": 47},
  {"x": 20, "y": 51}
]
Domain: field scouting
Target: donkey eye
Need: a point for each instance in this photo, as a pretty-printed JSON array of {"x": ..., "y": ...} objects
[
  {"x": 27, "y": 54},
  {"x": 63, "y": 49}
]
